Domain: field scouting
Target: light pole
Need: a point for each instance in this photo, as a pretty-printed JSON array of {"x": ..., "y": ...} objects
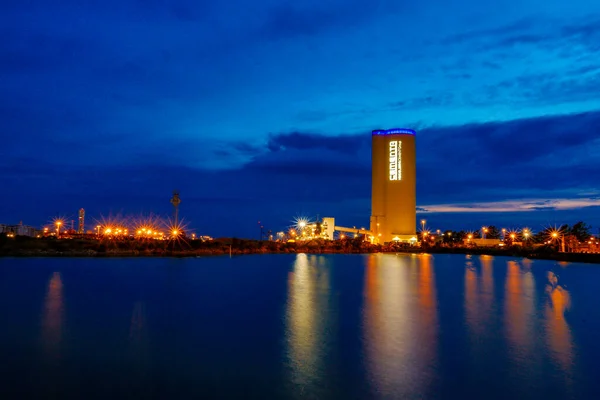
[
  {"x": 175, "y": 200},
  {"x": 503, "y": 234},
  {"x": 58, "y": 224},
  {"x": 423, "y": 224},
  {"x": 557, "y": 235},
  {"x": 484, "y": 231}
]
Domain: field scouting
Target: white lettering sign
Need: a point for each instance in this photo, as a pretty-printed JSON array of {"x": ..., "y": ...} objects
[
  {"x": 399, "y": 160},
  {"x": 395, "y": 160}
]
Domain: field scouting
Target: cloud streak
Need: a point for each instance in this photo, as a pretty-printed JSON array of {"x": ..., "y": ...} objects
[{"x": 510, "y": 206}]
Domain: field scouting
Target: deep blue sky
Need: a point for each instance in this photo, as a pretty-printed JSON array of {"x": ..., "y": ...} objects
[{"x": 263, "y": 109}]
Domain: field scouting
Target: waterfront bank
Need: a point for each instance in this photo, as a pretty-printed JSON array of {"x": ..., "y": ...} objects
[{"x": 27, "y": 247}]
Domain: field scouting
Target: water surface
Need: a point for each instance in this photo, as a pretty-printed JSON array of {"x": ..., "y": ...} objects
[{"x": 299, "y": 326}]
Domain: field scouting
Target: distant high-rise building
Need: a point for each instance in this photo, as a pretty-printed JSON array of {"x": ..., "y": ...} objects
[
  {"x": 394, "y": 177},
  {"x": 80, "y": 227}
]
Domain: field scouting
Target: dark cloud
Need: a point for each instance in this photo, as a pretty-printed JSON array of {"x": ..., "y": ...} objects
[
  {"x": 530, "y": 31},
  {"x": 433, "y": 100},
  {"x": 587, "y": 33},
  {"x": 580, "y": 84},
  {"x": 346, "y": 144}
]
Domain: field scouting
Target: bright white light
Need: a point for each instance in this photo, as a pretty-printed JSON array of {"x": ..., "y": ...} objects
[{"x": 300, "y": 223}]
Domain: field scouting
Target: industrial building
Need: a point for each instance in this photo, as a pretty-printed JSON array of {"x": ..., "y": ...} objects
[
  {"x": 19, "y": 230},
  {"x": 394, "y": 186},
  {"x": 393, "y": 190}
]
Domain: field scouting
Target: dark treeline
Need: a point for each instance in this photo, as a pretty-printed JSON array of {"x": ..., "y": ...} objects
[{"x": 21, "y": 246}]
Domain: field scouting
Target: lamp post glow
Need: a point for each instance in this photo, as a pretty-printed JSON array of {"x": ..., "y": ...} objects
[
  {"x": 558, "y": 235},
  {"x": 484, "y": 231},
  {"x": 423, "y": 224},
  {"x": 58, "y": 224}
]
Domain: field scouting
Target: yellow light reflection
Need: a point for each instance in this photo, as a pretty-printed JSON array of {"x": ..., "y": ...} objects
[
  {"x": 472, "y": 313},
  {"x": 400, "y": 322},
  {"x": 486, "y": 299},
  {"x": 558, "y": 333},
  {"x": 479, "y": 298},
  {"x": 520, "y": 315},
  {"x": 308, "y": 320}
]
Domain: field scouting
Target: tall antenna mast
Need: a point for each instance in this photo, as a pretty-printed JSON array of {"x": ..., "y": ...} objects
[{"x": 175, "y": 200}]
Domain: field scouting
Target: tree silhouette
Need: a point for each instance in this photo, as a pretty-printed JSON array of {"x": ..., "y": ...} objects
[{"x": 581, "y": 231}]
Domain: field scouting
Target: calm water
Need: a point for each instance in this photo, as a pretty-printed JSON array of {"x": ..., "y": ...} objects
[{"x": 298, "y": 326}]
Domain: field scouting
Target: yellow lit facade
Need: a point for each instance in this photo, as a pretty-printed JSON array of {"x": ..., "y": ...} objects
[{"x": 394, "y": 178}]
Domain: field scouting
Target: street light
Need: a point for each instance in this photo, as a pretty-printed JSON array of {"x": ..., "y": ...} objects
[
  {"x": 485, "y": 231},
  {"x": 58, "y": 224},
  {"x": 423, "y": 224}
]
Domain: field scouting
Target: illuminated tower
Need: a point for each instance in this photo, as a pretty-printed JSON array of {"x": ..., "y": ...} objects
[
  {"x": 394, "y": 178},
  {"x": 175, "y": 200},
  {"x": 81, "y": 221}
]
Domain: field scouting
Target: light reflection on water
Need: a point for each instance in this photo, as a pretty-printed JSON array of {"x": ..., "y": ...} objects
[
  {"x": 520, "y": 319},
  {"x": 301, "y": 326},
  {"x": 558, "y": 333},
  {"x": 401, "y": 331},
  {"x": 308, "y": 323},
  {"x": 52, "y": 323},
  {"x": 400, "y": 323},
  {"x": 53, "y": 320}
]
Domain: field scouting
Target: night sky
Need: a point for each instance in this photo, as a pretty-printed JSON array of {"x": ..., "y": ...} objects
[{"x": 262, "y": 109}]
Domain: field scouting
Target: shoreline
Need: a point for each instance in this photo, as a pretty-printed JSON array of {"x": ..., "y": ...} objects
[{"x": 588, "y": 258}]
